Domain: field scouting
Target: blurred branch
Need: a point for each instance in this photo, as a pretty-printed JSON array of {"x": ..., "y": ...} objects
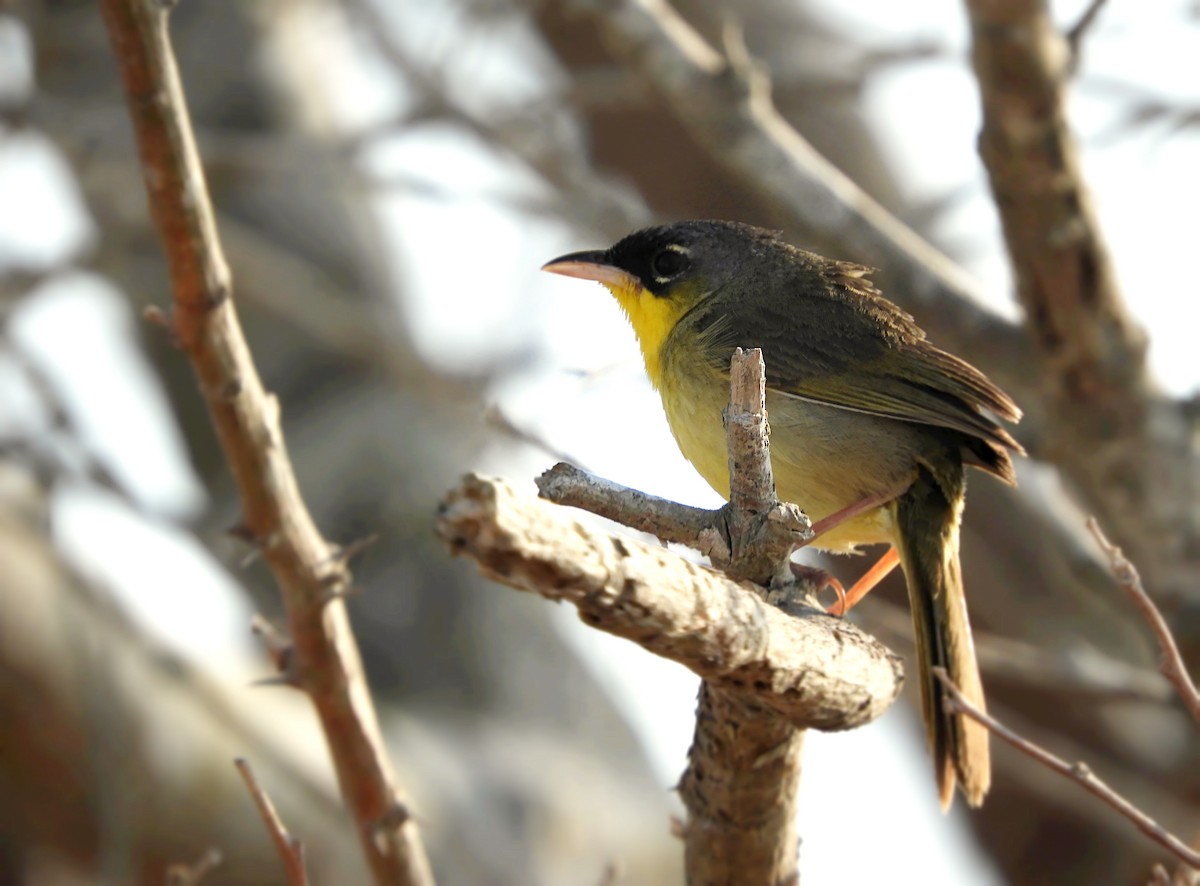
[
  {"x": 767, "y": 675},
  {"x": 310, "y": 575},
  {"x": 725, "y": 102},
  {"x": 533, "y": 136},
  {"x": 1079, "y": 30},
  {"x": 290, "y": 849},
  {"x": 62, "y": 451},
  {"x": 194, "y": 874},
  {"x": 1126, "y": 448},
  {"x": 1081, "y": 671},
  {"x": 1172, "y": 664},
  {"x": 1078, "y": 772},
  {"x": 94, "y": 709}
]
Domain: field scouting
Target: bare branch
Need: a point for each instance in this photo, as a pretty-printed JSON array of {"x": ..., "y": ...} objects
[
  {"x": 813, "y": 670},
  {"x": 743, "y": 774},
  {"x": 1172, "y": 664},
  {"x": 1077, "y": 772},
  {"x": 747, "y": 435},
  {"x": 327, "y": 662},
  {"x": 291, "y": 850},
  {"x": 752, "y": 536},
  {"x": 668, "y": 520},
  {"x": 767, "y": 676}
]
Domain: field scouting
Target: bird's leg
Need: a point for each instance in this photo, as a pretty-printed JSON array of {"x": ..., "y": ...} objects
[
  {"x": 876, "y": 573},
  {"x": 864, "y": 585},
  {"x": 820, "y": 579},
  {"x": 837, "y": 518}
]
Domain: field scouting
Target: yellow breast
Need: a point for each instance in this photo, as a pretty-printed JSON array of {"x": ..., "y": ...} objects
[{"x": 814, "y": 449}]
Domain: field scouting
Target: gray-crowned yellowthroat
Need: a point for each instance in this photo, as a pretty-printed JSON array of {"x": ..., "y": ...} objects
[{"x": 871, "y": 424}]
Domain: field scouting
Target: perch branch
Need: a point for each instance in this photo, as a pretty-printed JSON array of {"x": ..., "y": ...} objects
[
  {"x": 814, "y": 670},
  {"x": 742, "y": 779},
  {"x": 1078, "y": 772},
  {"x": 327, "y": 664},
  {"x": 767, "y": 676},
  {"x": 291, "y": 850},
  {"x": 668, "y": 520},
  {"x": 752, "y": 536}
]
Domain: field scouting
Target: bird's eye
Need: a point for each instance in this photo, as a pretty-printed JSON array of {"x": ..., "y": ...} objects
[{"x": 668, "y": 263}]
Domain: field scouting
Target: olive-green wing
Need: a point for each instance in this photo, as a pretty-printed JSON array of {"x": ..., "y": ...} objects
[{"x": 833, "y": 339}]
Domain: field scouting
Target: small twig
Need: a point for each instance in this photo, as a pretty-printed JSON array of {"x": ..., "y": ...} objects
[
  {"x": 350, "y": 550},
  {"x": 1079, "y": 30},
  {"x": 1172, "y": 664},
  {"x": 750, "y": 538},
  {"x": 495, "y": 417},
  {"x": 193, "y": 874},
  {"x": 291, "y": 850},
  {"x": 763, "y": 531},
  {"x": 670, "y": 521},
  {"x": 1078, "y": 772},
  {"x": 748, "y": 434},
  {"x": 278, "y": 647}
]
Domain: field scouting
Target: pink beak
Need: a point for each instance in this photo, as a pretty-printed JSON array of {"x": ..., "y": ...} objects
[{"x": 592, "y": 266}]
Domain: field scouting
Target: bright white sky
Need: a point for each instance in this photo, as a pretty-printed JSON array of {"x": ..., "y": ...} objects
[{"x": 80, "y": 333}]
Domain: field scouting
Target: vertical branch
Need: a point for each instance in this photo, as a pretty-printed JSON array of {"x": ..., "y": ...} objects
[
  {"x": 1127, "y": 449},
  {"x": 743, "y": 772},
  {"x": 748, "y": 435},
  {"x": 1064, "y": 273},
  {"x": 740, "y": 789},
  {"x": 311, "y": 573}
]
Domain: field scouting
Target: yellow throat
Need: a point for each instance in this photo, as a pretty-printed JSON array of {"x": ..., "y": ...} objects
[{"x": 652, "y": 319}]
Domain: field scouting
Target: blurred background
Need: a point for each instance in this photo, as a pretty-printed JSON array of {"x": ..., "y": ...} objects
[{"x": 388, "y": 180}]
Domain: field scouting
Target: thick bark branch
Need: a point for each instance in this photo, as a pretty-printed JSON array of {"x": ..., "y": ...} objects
[
  {"x": 763, "y": 682},
  {"x": 741, "y": 829},
  {"x": 1127, "y": 449},
  {"x": 309, "y": 570},
  {"x": 812, "y": 669}
]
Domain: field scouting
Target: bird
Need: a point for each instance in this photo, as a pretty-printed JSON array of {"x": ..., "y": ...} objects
[{"x": 873, "y": 426}]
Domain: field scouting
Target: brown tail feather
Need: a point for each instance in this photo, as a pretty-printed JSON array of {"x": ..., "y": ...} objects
[{"x": 927, "y": 518}]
